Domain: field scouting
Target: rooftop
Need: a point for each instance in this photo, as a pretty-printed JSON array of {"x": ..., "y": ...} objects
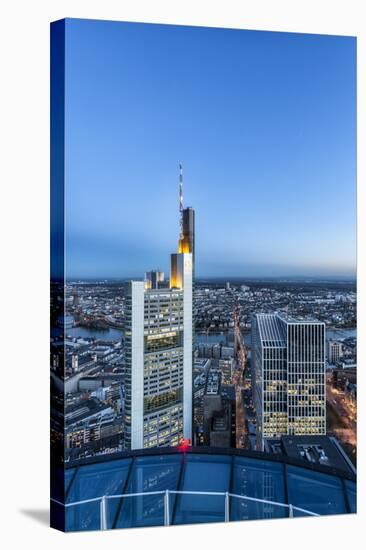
[
  {"x": 316, "y": 449},
  {"x": 307, "y": 319},
  {"x": 270, "y": 330}
]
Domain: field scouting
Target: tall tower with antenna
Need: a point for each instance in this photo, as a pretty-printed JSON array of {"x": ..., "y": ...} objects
[{"x": 159, "y": 364}]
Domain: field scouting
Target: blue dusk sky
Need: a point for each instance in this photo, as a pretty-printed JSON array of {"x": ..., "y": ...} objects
[{"x": 264, "y": 124}]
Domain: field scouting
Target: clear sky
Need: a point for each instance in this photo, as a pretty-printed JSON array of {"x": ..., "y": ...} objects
[{"x": 263, "y": 122}]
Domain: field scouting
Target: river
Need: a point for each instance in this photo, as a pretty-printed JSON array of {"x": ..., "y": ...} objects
[
  {"x": 341, "y": 333},
  {"x": 201, "y": 337},
  {"x": 98, "y": 334}
]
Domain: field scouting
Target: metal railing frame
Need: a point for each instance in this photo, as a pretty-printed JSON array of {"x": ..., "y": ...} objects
[{"x": 103, "y": 506}]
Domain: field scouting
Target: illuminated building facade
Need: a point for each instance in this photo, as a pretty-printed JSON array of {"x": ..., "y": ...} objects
[
  {"x": 159, "y": 353},
  {"x": 289, "y": 368},
  {"x": 186, "y": 241}
]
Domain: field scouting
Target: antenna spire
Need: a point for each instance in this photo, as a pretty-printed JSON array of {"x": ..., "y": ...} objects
[{"x": 181, "y": 198}]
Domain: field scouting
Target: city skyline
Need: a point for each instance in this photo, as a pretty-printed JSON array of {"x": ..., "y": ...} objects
[{"x": 263, "y": 122}]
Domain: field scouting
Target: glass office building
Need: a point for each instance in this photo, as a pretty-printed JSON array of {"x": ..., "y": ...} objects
[
  {"x": 289, "y": 369},
  {"x": 199, "y": 485}
]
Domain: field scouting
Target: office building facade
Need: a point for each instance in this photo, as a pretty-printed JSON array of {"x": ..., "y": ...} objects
[
  {"x": 288, "y": 358},
  {"x": 335, "y": 351}
]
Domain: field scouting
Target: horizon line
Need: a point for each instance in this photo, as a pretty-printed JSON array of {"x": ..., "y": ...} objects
[{"x": 223, "y": 277}]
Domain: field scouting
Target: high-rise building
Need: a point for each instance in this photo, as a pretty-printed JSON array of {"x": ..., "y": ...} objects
[
  {"x": 288, "y": 358},
  {"x": 75, "y": 299},
  {"x": 335, "y": 351},
  {"x": 159, "y": 353}
]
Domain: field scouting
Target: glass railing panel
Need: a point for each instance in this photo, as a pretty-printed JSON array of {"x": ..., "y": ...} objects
[
  {"x": 112, "y": 506},
  {"x": 261, "y": 479},
  {"x": 207, "y": 473},
  {"x": 351, "y": 495},
  {"x": 96, "y": 480},
  {"x": 241, "y": 509},
  {"x": 149, "y": 474},
  {"x": 83, "y": 517},
  {"x": 196, "y": 508},
  {"x": 155, "y": 473},
  {"x": 315, "y": 491},
  {"x": 141, "y": 511},
  {"x": 69, "y": 474}
]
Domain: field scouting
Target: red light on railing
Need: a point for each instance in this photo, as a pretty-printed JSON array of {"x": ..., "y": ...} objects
[{"x": 184, "y": 443}]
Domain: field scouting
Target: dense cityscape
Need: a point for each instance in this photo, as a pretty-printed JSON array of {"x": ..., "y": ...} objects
[{"x": 224, "y": 411}]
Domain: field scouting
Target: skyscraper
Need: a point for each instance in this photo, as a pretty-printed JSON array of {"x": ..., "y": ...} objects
[
  {"x": 159, "y": 352},
  {"x": 335, "y": 351},
  {"x": 288, "y": 358}
]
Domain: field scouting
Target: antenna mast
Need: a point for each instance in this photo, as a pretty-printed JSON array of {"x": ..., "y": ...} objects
[{"x": 181, "y": 198}]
